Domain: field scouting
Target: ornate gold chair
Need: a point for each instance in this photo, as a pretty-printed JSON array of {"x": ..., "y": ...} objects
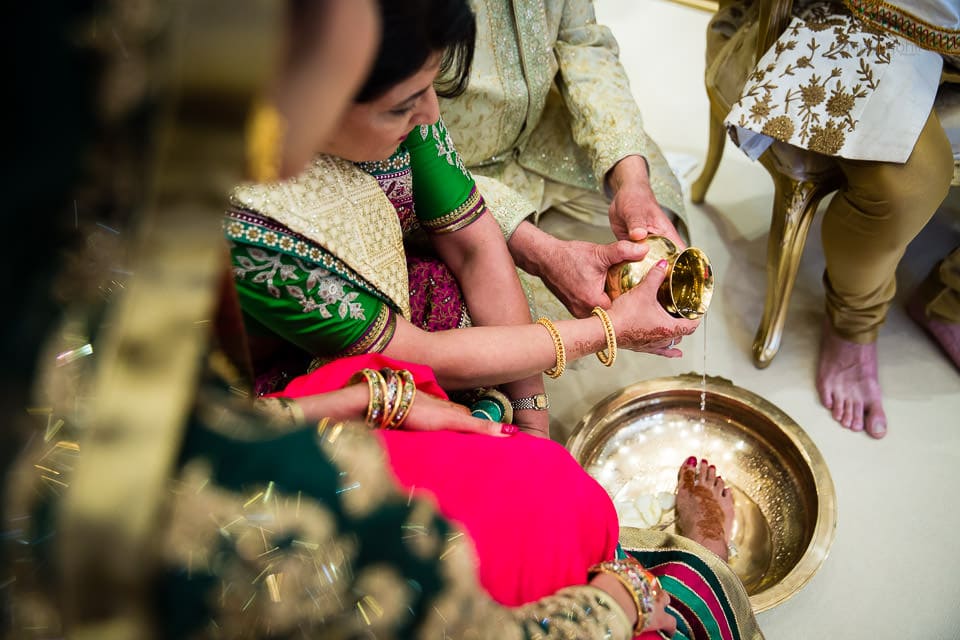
[{"x": 801, "y": 178}]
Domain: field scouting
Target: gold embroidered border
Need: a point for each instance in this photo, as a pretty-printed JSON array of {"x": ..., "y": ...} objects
[
  {"x": 464, "y": 215},
  {"x": 374, "y": 340},
  {"x": 904, "y": 24},
  {"x": 396, "y": 163},
  {"x": 251, "y": 234},
  {"x": 377, "y": 336}
]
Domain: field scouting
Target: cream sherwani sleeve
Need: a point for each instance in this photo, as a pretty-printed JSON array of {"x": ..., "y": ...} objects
[{"x": 604, "y": 117}]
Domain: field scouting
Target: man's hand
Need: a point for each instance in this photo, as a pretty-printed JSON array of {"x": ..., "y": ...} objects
[
  {"x": 634, "y": 212},
  {"x": 574, "y": 271}
]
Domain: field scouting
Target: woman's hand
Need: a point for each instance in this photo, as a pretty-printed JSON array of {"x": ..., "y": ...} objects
[
  {"x": 536, "y": 423},
  {"x": 641, "y": 324},
  {"x": 430, "y": 413},
  {"x": 659, "y": 619}
]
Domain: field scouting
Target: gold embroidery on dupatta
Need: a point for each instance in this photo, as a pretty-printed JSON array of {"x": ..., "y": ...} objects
[{"x": 342, "y": 208}]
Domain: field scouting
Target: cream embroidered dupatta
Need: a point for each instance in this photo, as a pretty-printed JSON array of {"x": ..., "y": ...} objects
[
  {"x": 839, "y": 84},
  {"x": 340, "y": 207}
]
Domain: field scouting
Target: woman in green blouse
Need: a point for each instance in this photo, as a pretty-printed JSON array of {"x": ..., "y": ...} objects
[
  {"x": 142, "y": 511},
  {"x": 384, "y": 244}
]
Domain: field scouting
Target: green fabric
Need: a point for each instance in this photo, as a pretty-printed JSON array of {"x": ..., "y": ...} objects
[
  {"x": 318, "y": 308},
  {"x": 304, "y": 304},
  {"x": 690, "y": 598},
  {"x": 441, "y": 182},
  {"x": 306, "y": 471}
]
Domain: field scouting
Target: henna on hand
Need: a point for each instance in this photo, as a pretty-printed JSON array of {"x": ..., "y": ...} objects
[{"x": 645, "y": 339}]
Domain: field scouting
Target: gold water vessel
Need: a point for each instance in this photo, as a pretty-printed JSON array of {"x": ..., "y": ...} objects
[{"x": 687, "y": 287}]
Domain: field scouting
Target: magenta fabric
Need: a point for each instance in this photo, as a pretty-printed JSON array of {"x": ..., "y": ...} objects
[
  {"x": 337, "y": 374},
  {"x": 694, "y": 581},
  {"x": 436, "y": 302},
  {"x": 537, "y": 520}
]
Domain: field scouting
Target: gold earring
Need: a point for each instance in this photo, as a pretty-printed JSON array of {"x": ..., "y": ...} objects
[{"x": 265, "y": 132}]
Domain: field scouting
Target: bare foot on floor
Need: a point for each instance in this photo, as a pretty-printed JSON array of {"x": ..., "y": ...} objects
[
  {"x": 946, "y": 334},
  {"x": 848, "y": 383},
  {"x": 704, "y": 506}
]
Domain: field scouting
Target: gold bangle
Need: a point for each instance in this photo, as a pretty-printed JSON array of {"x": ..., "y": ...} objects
[
  {"x": 561, "y": 365},
  {"x": 407, "y": 394},
  {"x": 377, "y": 389},
  {"x": 392, "y": 401},
  {"x": 611, "y": 354},
  {"x": 631, "y": 589}
]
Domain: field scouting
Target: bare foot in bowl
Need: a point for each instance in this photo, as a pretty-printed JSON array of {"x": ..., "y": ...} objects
[{"x": 704, "y": 506}]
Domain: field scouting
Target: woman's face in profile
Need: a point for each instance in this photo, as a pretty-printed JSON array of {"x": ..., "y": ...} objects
[
  {"x": 373, "y": 130},
  {"x": 325, "y": 67}
]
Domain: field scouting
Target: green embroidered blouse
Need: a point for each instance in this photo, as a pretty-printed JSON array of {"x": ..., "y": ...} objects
[{"x": 294, "y": 288}]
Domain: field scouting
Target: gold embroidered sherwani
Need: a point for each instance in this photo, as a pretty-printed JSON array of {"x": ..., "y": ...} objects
[
  {"x": 854, "y": 79},
  {"x": 548, "y": 101}
]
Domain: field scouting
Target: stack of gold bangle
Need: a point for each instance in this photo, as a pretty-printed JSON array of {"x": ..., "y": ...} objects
[
  {"x": 391, "y": 396},
  {"x": 611, "y": 352},
  {"x": 557, "y": 370},
  {"x": 643, "y": 586}
]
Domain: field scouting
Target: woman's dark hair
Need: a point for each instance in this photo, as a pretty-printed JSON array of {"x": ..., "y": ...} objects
[{"x": 413, "y": 30}]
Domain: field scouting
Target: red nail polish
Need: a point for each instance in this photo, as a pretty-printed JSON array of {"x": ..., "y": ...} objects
[
  {"x": 509, "y": 429},
  {"x": 692, "y": 461},
  {"x": 713, "y": 467},
  {"x": 662, "y": 264}
]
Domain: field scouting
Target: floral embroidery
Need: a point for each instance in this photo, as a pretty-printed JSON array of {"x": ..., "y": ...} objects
[
  {"x": 813, "y": 93},
  {"x": 827, "y": 139},
  {"x": 321, "y": 291},
  {"x": 241, "y": 226},
  {"x": 781, "y": 127},
  {"x": 812, "y": 84},
  {"x": 445, "y": 146},
  {"x": 840, "y": 103}
]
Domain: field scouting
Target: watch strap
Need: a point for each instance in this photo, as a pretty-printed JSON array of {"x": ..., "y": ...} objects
[{"x": 537, "y": 402}]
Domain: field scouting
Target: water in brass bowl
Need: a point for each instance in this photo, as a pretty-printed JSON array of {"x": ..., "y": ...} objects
[
  {"x": 785, "y": 507},
  {"x": 687, "y": 287}
]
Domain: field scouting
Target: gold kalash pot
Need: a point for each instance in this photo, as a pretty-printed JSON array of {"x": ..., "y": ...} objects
[{"x": 688, "y": 286}]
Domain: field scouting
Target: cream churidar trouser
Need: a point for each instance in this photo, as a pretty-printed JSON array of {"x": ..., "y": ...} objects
[{"x": 869, "y": 224}]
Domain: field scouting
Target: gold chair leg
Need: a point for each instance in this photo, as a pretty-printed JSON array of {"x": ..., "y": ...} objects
[
  {"x": 795, "y": 203},
  {"x": 717, "y": 138}
]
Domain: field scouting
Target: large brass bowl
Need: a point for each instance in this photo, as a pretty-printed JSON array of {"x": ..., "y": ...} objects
[{"x": 784, "y": 497}]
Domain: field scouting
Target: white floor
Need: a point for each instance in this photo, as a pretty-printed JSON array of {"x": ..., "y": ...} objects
[{"x": 894, "y": 569}]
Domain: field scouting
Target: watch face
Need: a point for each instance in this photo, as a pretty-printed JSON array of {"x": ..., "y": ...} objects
[{"x": 540, "y": 401}]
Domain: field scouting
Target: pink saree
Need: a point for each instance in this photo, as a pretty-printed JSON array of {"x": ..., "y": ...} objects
[{"x": 537, "y": 520}]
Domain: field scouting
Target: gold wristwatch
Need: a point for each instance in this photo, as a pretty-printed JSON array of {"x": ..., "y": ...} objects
[{"x": 538, "y": 402}]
